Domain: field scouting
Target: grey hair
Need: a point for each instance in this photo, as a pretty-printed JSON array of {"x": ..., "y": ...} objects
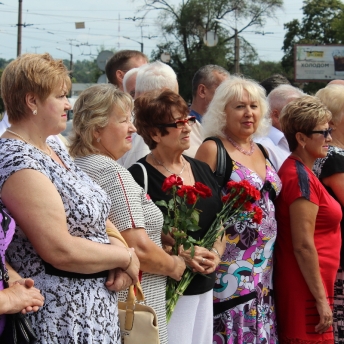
[
  {"x": 214, "y": 120},
  {"x": 127, "y": 75},
  {"x": 155, "y": 76},
  {"x": 205, "y": 75},
  {"x": 280, "y": 96}
]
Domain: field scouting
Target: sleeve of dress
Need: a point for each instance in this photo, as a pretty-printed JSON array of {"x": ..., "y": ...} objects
[
  {"x": 15, "y": 157},
  {"x": 333, "y": 164},
  {"x": 126, "y": 197},
  {"x": 300, "y": 183}
]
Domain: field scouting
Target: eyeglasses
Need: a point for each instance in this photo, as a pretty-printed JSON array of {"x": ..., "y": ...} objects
[
  {"x": 179, "y": 124},
  {"x": 326, "y": 132}
]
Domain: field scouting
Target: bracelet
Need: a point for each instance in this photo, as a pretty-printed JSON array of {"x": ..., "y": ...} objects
[
  {"x": 216, "y": 252},
  {"x": 130, "y": 259}
]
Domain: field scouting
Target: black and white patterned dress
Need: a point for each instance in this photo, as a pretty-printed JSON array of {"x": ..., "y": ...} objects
[
  {"x": 75, "y": 310},
  {"x": 131, "y": 208}
]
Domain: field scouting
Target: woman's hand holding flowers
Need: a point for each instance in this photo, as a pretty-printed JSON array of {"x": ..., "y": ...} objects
[{"x": 203, "y": 260}]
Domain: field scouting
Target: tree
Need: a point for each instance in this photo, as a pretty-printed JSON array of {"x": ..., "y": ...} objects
[
  {"x": 316, "y": 27},
  {"x": 185, "y": 25},
  {"x": 262, "y": 70}
]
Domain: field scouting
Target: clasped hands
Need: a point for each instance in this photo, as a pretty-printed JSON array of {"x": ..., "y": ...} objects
[{"x": 118, "y": 279}]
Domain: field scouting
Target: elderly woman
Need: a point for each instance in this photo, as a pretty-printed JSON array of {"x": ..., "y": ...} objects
[
  {"x": 102, "y": 134},
  {"x": 162, "y": 120},
  {"x": 243, "y": 303},
  {"x": 61, "y": 214},
  {"x": 308, "y": 241},
  {"x": 330, "y": 171}
]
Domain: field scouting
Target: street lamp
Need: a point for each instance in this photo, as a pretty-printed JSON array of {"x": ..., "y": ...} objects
[
  {"x": 71, "y": 58},
  {"x": 141, "y": 43}
]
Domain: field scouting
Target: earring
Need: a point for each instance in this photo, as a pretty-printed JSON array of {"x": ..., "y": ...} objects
[
  {"x": 34, "y": 112},
  {"x": 98, "y": 139}
]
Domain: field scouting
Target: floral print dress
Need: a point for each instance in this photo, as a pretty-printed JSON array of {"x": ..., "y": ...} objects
[{"x": 243, "y": 305}]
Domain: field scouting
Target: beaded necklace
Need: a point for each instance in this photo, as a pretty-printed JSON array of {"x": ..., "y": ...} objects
[{"x": 243, "y": 151}]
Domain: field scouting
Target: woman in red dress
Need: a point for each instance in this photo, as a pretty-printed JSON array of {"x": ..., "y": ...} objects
[{"x": 308, "y": 241}]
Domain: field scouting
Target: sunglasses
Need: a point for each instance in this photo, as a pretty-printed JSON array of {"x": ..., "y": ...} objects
[
  {"x": 326, "y": 132},
  {"x": 179, "y": 124}
]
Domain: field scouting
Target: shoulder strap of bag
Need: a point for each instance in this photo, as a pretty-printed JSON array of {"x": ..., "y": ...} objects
[
  {"x": 131, "y": 295},
  {"x": 145, "y": 177},
  {"x": 222, "y": 174},
  {"x": 265, "y": 153}
]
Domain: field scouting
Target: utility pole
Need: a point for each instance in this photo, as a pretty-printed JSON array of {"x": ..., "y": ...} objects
[
  {"x": 19, "y": 27},
  {"x": 236, "y": 52}
]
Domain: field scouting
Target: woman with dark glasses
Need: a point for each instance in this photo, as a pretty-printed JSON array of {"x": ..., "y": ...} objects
[
  {"x": 308, "y": 242},
  {"x": 330, "y": 171},
  {"x": 161, "y": 118}
]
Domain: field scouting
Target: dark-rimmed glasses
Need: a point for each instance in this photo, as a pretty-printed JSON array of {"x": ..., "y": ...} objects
[
  {"x": 179, "y": 124},
  {"x": 326, "y": 132}
]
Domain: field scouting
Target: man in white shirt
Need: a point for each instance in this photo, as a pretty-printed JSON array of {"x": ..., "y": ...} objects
[
  {"x": 275, "y": 142},
  {"x": 204, "y": 83}
]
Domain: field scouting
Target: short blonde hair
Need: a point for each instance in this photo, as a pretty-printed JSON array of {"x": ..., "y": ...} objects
[
  {"x": 91, "y": 111},
  {"x": 214, "y": 121},
  {"x": 302, "y": 115},
  {"x": 39, "y": 74},
  {"x": 333, "y": 97}
]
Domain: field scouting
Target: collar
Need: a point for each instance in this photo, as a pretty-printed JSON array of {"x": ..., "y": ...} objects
[
  {"x": 275, "y": 135},
  {"x": 196, "y": 114}
]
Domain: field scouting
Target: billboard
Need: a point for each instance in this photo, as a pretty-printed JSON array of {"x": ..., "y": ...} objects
[{"x": 318, "y": 62}]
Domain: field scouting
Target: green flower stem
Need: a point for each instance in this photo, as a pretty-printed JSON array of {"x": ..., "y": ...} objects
[{"x": 179, "y": 289}]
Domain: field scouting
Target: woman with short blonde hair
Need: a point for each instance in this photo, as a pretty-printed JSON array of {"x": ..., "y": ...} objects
[{"x": 60, "y": 239}]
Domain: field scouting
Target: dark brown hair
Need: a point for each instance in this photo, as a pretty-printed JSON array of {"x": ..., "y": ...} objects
[
  {"x": 120, "y": 61},
  {"x": 153, "y": 108}
]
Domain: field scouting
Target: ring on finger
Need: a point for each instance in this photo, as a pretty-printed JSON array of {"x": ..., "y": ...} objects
[{"x": 203, "y": 259}]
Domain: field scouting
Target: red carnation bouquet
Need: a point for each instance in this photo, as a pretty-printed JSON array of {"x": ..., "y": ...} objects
[{"x": 182, "y": 217}]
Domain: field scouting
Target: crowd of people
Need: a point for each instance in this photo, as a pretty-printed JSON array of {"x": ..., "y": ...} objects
[{"x": 66, "y": 208}]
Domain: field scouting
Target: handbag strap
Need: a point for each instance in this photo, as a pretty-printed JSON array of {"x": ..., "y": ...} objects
[
  {"x": 222, "y": 174},
  {"x": 265, "y": 153},
  {"x": 145, "y": 176},
  {"x": 131, "y": 294}
]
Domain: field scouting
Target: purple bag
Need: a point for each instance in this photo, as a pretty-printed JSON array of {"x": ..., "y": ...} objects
[
  {"x": 14, "y": 328},
  {"x": 7, "y": 227}
]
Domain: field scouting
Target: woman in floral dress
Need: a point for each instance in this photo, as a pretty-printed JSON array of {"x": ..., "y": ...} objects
[{"x": 243, "y": 304}]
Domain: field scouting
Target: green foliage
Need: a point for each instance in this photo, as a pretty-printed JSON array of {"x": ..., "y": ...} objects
[
  {"x": 316, "y": 27},
  {"x": 262, "y": 70},
  {"x": 185, "y": 25}
]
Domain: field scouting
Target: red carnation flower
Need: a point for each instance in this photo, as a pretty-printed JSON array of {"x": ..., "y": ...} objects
[{"x": 257, "y": 217}]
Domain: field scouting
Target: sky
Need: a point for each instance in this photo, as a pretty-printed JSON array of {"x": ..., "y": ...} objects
[{"x": 50, "y": 25}]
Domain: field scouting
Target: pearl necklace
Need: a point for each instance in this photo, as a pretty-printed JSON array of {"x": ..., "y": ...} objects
[
  {"x": 21, "y": 137},
  {"x": 243, "y": 151},
  {"x": 161, "y": 164}
]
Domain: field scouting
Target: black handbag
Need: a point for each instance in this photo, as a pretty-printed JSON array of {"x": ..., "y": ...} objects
[{"x": 18, "y": 328}]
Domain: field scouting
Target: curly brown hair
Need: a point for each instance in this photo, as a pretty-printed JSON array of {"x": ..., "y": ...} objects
[{"x": 154, "y": 108}]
